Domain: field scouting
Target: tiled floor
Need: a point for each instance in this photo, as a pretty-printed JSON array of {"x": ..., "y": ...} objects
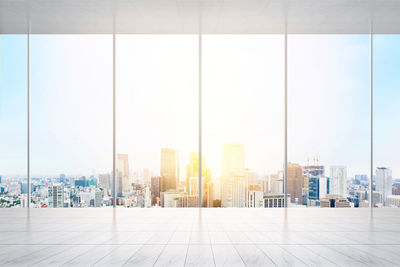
[{"x": 199, "y": 237}]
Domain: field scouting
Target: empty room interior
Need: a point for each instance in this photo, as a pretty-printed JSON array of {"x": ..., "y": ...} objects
[{"x": 199, "y": 133}]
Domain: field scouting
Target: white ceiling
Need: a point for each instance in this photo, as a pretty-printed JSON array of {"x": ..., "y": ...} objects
[{"x": 207, "y": 16}]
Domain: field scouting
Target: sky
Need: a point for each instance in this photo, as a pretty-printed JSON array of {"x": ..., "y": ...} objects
[{"x": 157, "y": 101}]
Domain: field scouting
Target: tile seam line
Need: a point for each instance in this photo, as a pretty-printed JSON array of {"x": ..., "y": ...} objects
[
  {"x": 282, "y": 247},
  {"x": 165, "y": 245},
  {"x": 306, "y": 247},
  {"x": 136, "y": 252},
  {"x": 233, "y": 245},
  {"x": 349, "y": 256}
]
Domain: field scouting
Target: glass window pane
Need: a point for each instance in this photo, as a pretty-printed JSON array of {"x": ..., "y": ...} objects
[
  {"x": 243, "y": 119},
  {"x": 71, "y": 120},
  {"x": 329, "y": 119},
  {"x": 13, "y": 121},
  {"x": 386, "y": 129},
  {"x": 157, "y": 119}
]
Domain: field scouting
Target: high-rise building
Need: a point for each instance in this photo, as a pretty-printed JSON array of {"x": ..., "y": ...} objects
[
  {"x": 314, "y": 170},
  {"x": 192, "y": 171},
  {"x": 318, "y": 188},
  {"x": 233, "y": 182},
  {"x": 105, "y": 182},
  {"x": 324, "y": 186},
  {"x": 169, "y": 168},
  {"x": 377, "y": 198},
  {"x": 305, "y": 189},
  {"x": 265, "y": 185},
  {"x": 384, "y": 182},
  {"x": 217, "y": 188},
  {"x": 170, "y": 198},
  {"x": 338, "y": 181},
  {"x": 147, "y": 197},
  {"x": 56, "y": 196},
  {"x": 192, "y": 179},
  {"x": 275, "y": 182},
  {"x": 251, "y": 176},
  {"x": 295, "y": 182},
  {"x": 81, "y": 182},
  {"x": 123, "y": 184},
  {"x": 193, "y": 185},
  {"x": 313, "y": 188},
  {"x": 98, "y": 198},
  {"x": 255, "y": 199},
  {"x": 233, "y": 192},
  {"x": 146, "y": 176},
  {"x": 207, "y": 194},
  {"x": 156, "y": 189}
]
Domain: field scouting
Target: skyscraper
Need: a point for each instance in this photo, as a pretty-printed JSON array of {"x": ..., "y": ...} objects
[
  {"x": 56, "y": 195},
  {"x": 207, "y": 194},
  {"x": 146, "y": 176},
  {"x": 233, "y": 192},
  {"x": 275, "y": 183},
  {"x": 169, "y": 168},
  {"x": 313, "y": 188},
  {"x": 251, "y": 176},
  {"x": 314, "y": 170},
  {"x": 192, "y": 179},
  {"x": 295, "y": 182},
  {"x": 318, "y": 188},
  {"x": 98, "y": 198},
  {"x": 105, "y": 182},
  {"x": 338, "y": 179},
  {"x": 123, "y": 184},
  {"x": 233, "y": 183},
  {"x": 255, "y": 199},
  {"x": 192, "y": 171},
  {"x": 384, "y": 182},
  {"x": 156, "y": 189}
]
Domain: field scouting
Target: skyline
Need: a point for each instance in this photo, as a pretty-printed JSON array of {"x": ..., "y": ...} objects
[
  {"x": 67, "y": 142},
  {"x": 309, "y": 185}
]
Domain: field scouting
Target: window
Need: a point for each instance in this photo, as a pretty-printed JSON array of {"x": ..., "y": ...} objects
[
  {"x": 13, "y": 121},
  {"x": 243, "y": 118},
  {"x": 328, "y": 119},
  {"x": 157, "y": 119},
  {"x": 71, "y": 132},
  {"x": 386, "y": 130}
]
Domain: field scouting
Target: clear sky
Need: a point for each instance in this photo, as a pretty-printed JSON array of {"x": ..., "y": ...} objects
[{"x": 157, "y": 101}]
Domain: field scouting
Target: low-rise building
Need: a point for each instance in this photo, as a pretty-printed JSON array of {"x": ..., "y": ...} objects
[{"x": 334, "y": 201}]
